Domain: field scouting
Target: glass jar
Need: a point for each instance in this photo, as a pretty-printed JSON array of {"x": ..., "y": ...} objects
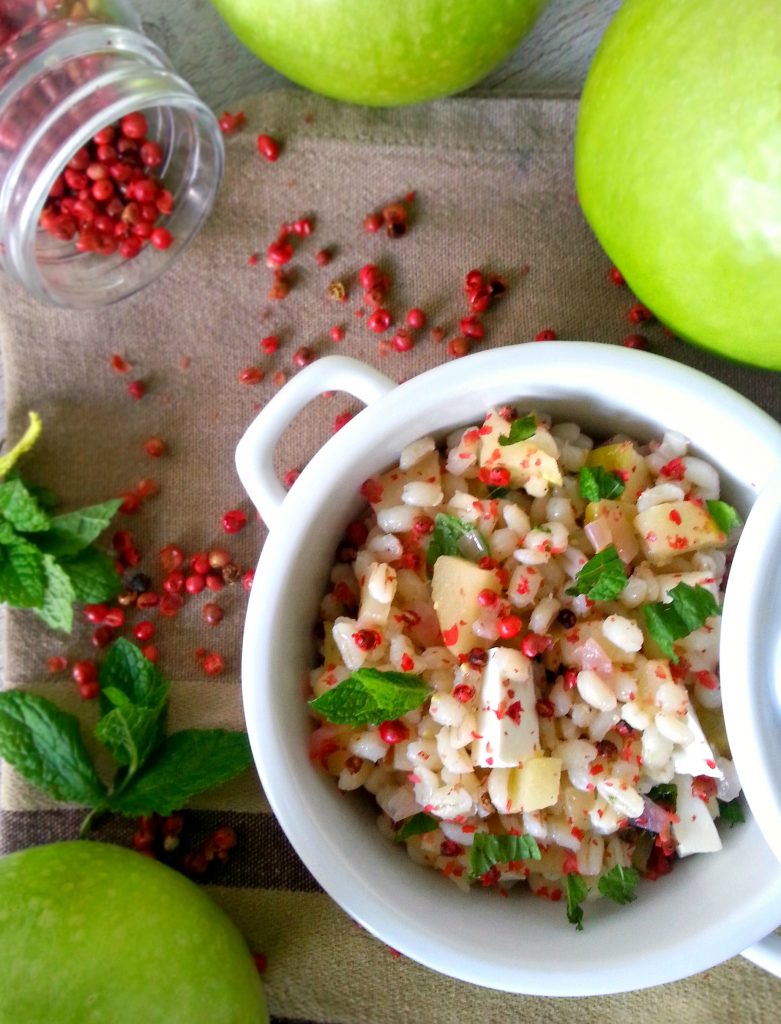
[{"x": 69, "y": 68}]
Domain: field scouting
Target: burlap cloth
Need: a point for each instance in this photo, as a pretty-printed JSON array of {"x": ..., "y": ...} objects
[{"x": 493, "y": 189}]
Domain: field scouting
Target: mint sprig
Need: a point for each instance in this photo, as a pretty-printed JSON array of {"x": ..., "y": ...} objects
[
  {"x": 687, "y": 610},
  {"x": 488, "y": 850},
  {"x": 369, "y": 697},
  {"x": 577, "y": 892},
  {"x": 619, "y": 884},
  {"x": 602, "y": 578},
  {"x": 723, "y": 515},
  {"x": 596, "y": 483},
  {"x": 417, "y": 825},
  {"x": 48, "y": 562},
  {"x": 154, "y": 773},
  {"x": 521, "y": 429},
  {"x": 449, "y": 532}
]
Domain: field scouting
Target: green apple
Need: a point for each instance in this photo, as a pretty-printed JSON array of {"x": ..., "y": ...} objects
[
  {"x": 381, "y": 54},
  {"x": 96, "y": 934},
  {"x": 678, "y": 166}
]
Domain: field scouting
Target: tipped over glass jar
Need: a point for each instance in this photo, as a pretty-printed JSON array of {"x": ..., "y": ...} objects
[{"x": 109, "y": 161}]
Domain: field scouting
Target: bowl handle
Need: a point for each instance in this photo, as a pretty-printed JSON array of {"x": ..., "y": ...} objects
[
  {"x": 766, "y": 954},
  {"x": 255, "y": 450}
]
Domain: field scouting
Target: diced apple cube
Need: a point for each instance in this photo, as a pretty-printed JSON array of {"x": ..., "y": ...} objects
[
  {"x": 676, "y": 528},
  {"x": 538, "y": 783},
  {"x": 507, "y": 721},
  {"x": 618, "y": 516},
  {"x": 623, "y": 459},
  {"x": 532, "y": 464},
  {"x": 695, "y": 831},
  {"x": 454, "y": 589}
]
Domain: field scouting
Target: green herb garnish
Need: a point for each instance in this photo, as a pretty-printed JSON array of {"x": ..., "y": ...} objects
[
  {"x": 723, "y": 515},
  {"x": 48, "y": 562},
  {"x": 596, "y": 483},
  {"x": 577, "y": 891},
  {"x": 417, "y": 825},
  {"x": 154, "y": 774},
  {"x": 449, "y": 531},
  {"x": 521, "y": 429},
  {"x": 602, "y": 578},
  {"x": 732, "y": 812},
  {"x": 369, "y": 696},
  {"x": 686, "y": 611},
  {"x": 488, "y": 850},
  {"x": 619, "y": 884},
  {"x": 664, "y": 793}
]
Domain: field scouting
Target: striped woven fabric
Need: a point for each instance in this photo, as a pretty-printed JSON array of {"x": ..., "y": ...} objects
[{"x": 493, "y": 188}]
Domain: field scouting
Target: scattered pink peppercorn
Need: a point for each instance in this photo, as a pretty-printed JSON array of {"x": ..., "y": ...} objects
[
  {"x": 371, "y": 277},
  {"x": 102, "y": 637},
  {"x": 151, "y": 653},
  {"x": 170, "y": 605},
  {"x": 458, "y": 347},
  {"x": 234, "y": 521},
  {"x": 131, "y": 503},
  {"x": 322, "y": 257},
  {"x": 278, "y": 254},
  {"x": 372, "y": 223},
  {"x": 341, "y": 419},
  {"x": 95, "y": 613},
  {"x": 269, "y": 344},
  {"x": 213, "y": 664},
  {"x": 268, "y": 148},
  {"x": 545, "y": 335},
  {"x": 195, "y": 583},
  {"x": 303, "y": 357},
  {"x": 147, "y": 488},
  {"x": 214, "y": 582},
  {"x": 217, "y": 558},
  {"x": 416, "y": 318},
  {"x": 337, "y": 333},
  {"x": 379, "y": 321},
  {"x": 403, "y": 340},
  {"x": 174, "y": 582},
  {"x": 154, "y": 447},
  {"x": 248, "y": 579},
  {"x": 144, "y": 630},
  {"x": 251, "y": 375},
  {"x": 213, "y": 614},
  {"x": 114, "y": 618},
  {"x": 230, "y": 123},
  {"x": 136, "y": 389},
  {"x": 639, "y": 314},
  {"x": 616, "y": 277},
  {"x": 261, "y": 962},
  {"x": 119, "y": 364},
  {"x": 303, "y": 227},
  {"x": 637, "y": 341},
  {"x": 89, "y": 690},
  {"x": 290, "y": 478},
  {"x": 472, "y": 327},
  {"x": 171, "y": 557},
  {"x": 56, "y": 663}
]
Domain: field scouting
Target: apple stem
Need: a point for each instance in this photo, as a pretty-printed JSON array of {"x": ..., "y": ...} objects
[{"x": 91, "y": 820}]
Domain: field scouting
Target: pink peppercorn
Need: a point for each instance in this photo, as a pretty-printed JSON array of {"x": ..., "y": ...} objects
[
  {"x": 337, "y": 333},
  {"x": 248, "y": 579},
  {"x": 639, "y": 314},
  {"x": 616, "y": 277},
  {"x": 268, "y": 148},
  {"x": 416, "y": 318},
  {"x": 303, "y": 357},
  {"x": 379, "y": 321},
  {"x": 471, "y": 327},
  {"x": 393, "y": 732},
  {"x": 545, "y": 335},
  {"x": 213, "y": 664},
  {"x": 136, "y": 389},
  {"x": 402, "y": 340},
  {"x": 637, "y": 341},
  {"x": 269, "y": 344},
  {"x": 234, "y": 521},
  {"x": 458, "y": 347}
]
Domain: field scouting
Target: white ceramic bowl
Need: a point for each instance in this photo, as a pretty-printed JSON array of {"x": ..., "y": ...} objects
[{"x": 712, "y": 906}]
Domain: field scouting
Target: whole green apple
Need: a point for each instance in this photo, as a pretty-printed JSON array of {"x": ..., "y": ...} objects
[
  {"x": 678, "y": 166},
  {"x": 381, "y": 54},
  {"x": 96, "y": 934}
]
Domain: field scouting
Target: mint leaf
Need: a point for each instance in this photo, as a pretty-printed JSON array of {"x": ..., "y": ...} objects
[
  {"x": 577, "y": 891},
  {"x": 416, "y": 826},
  {"x": 28, "y": 439},
  {"x": 131, "y": 734},
  {"x": 57, "y": 608},
  {"x": 731, "y": 812},
  {"x": 488, "y": 850},
  {"x": 596, "y": 483},
  {"x": 448, "y": 537},
  {"x": 93, "y": 576},
  {"x": 127, "y": 671},
  {"x": 665, "y": 793},
  {"x": 189, "y": 762},
  {"x": 723, "y": 515},
  {"x": 619, "y": 884},
  {"x": 686, "y": 611},
  {"x": 521, "y": 429},
  {"x": 45, "y": 497},
  {"x": 20, "y": 508},
  {"x": 45, "y": 746},
  {"x": 22, "y": 574},
  {"x": 116, "y": 697},
  {"x": 370, "y": 696},
  {"x": 602, "y": 578},
  {"x": 73, "y": 531}
]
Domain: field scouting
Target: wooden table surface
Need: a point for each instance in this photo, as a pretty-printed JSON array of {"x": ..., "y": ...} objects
[{"x": 553, "y": 59}]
